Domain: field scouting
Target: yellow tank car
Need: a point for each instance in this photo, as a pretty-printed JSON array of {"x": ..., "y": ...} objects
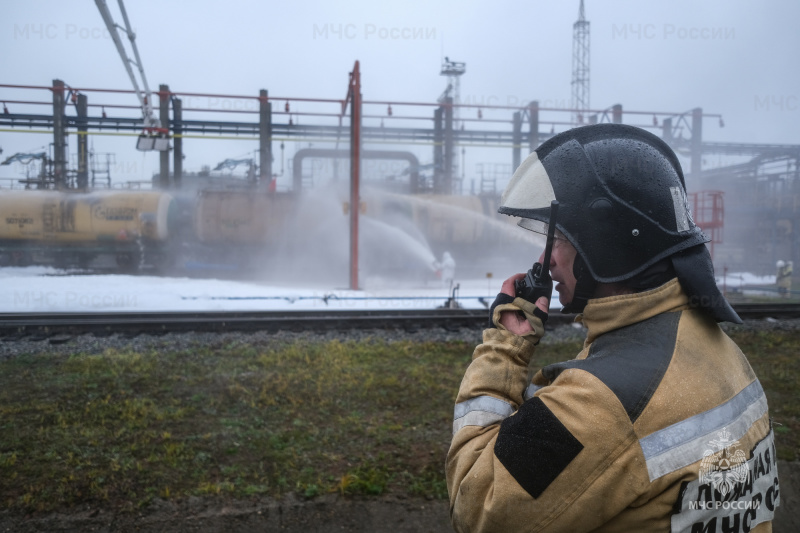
[
  {"x": 52, "y": 224},
  {"x": 241, "y": 217},
  {"x": 78, "y": 217}
]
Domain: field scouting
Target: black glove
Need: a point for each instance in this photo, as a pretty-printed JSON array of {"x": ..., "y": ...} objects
[{"x": 535, "y": 316}]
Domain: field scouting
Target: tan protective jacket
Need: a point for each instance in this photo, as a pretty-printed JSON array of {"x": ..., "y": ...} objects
[{"x": 659, "y": 424}]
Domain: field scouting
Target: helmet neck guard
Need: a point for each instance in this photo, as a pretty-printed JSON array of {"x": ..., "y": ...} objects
[{"x": 696, "y": 275}]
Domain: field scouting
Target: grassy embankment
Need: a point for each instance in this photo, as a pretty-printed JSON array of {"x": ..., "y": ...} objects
[{"x": 120, "y": 429}]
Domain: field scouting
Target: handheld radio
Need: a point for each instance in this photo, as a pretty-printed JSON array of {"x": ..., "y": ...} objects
[{"x": 537, "y": 282}]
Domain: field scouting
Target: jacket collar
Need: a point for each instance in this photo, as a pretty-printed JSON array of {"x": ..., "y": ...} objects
[{"x": 602, "y": 315}]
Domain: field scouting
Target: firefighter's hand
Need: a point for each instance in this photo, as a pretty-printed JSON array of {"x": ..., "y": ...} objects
[{"x": 520, "y": 316}]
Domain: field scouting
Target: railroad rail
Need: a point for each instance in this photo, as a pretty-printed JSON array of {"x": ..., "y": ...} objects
[{"x": 50, "y": 325}]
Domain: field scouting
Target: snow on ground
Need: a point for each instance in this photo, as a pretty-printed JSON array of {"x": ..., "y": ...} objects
[
  {"x": 750, "y": 284},
  {"x": 44, "y": 289},
  {"x": 743, "y": 279}
]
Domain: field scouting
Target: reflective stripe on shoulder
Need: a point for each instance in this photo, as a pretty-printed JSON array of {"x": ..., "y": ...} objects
[
  {"x": 480, "y": 411},
  {"x": 685, "y": 442}
]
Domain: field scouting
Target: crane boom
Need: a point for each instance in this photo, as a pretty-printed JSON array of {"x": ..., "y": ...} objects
[{"x": 154, "y": 136}]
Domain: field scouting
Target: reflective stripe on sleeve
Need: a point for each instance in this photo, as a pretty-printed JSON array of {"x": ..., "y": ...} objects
[
  {"x": 481, "y": 411},
  {"x": 530, "y": 391},
  {"x": 685, "y": 442}
]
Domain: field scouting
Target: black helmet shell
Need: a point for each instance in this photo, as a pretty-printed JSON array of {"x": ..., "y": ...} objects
[{"x": 622, "y": 197}]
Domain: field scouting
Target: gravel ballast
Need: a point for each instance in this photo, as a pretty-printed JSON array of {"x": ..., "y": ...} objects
[{"x": 91, "y": 344}]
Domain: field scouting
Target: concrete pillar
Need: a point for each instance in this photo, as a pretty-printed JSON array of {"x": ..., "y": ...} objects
[
  {"x": 83, "y": 142},
  {"x": 59, "y": 136},
  {"x": 177, "y": 142},
  {"x": 163, "y": 176},
  {"x": 265, "y": 138}
]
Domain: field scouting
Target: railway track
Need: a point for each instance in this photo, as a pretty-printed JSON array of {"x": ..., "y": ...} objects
[{"x": 49, "y": 325}]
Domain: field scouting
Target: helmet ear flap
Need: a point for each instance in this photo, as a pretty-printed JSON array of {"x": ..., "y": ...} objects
[{"x": 584, "y": 287}]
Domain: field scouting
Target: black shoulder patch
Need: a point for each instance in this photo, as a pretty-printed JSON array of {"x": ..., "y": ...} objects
[
  {"x": 631, "y": 361},
  {"x": 535, "y": 447}
]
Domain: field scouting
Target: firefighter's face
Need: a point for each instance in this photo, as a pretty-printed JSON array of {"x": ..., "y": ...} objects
[{"x": 561, "y": 259}]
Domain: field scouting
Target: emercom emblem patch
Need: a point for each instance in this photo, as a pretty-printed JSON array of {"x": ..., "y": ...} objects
[{"x": 729, "y": 494}]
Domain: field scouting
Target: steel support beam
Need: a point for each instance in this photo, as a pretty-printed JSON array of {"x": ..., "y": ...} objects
[
  {"x": 449, "y": 141},
  {"x": 83, "y": 143},
  {"x": 177, "y": 142},
  {"x": 616, "y": 113},
  {"x": 354, "y": 95},
  {"x": 264, "y": 137},
  {"x": 697, "y": 141},
  {"x": 329, "y": 132},
  {"x": 516, "y": 149},
  {"x": 163, "y": 159},
  {"x": 59, "y": 136},
  {"x": 666, "y": 130},
  {"x": 533, "y": 133},
  {"x": 438, "y": 148}
]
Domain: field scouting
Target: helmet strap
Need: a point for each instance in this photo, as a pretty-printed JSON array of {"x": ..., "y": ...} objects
[{"x": 584, "y": 288}]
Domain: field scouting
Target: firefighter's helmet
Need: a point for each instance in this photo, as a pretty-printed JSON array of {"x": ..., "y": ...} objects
[{"x": 622, "y": 204}]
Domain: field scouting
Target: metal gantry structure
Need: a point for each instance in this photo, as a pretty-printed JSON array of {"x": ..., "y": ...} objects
[
  {"x": 580, "y": 68},
  {"x": 523, "y": 128},
  {"x": 453, "y": 70}
]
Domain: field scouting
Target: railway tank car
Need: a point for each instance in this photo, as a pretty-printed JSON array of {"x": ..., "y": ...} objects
[
  {"x": 122, "y": 230},
  {"x": 226, "y": 217},
  {"x": 237, "y": 229},
  {"x": 244, "y": 232}
]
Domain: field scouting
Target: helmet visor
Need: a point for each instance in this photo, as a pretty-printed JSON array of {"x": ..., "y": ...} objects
[
  {"x": 537, "y": 226},
  {"x": 529, "y": 188}
]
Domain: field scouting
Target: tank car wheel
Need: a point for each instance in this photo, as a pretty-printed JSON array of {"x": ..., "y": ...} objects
[
  {"x": 127, "y": 261},
  {"x": 20, "y": 258}
]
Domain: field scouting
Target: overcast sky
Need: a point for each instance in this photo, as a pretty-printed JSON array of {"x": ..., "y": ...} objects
[{"x": 736, "y": 58}]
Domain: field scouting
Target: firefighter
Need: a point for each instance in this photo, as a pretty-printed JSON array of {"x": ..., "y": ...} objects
[
  {"x": 784, "y": 278},
  {"x": 659, "y": 423},
  {"x": 448, "y": 266}
]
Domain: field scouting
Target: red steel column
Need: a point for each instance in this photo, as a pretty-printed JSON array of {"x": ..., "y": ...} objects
[{"x": 355, "y": 170}]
